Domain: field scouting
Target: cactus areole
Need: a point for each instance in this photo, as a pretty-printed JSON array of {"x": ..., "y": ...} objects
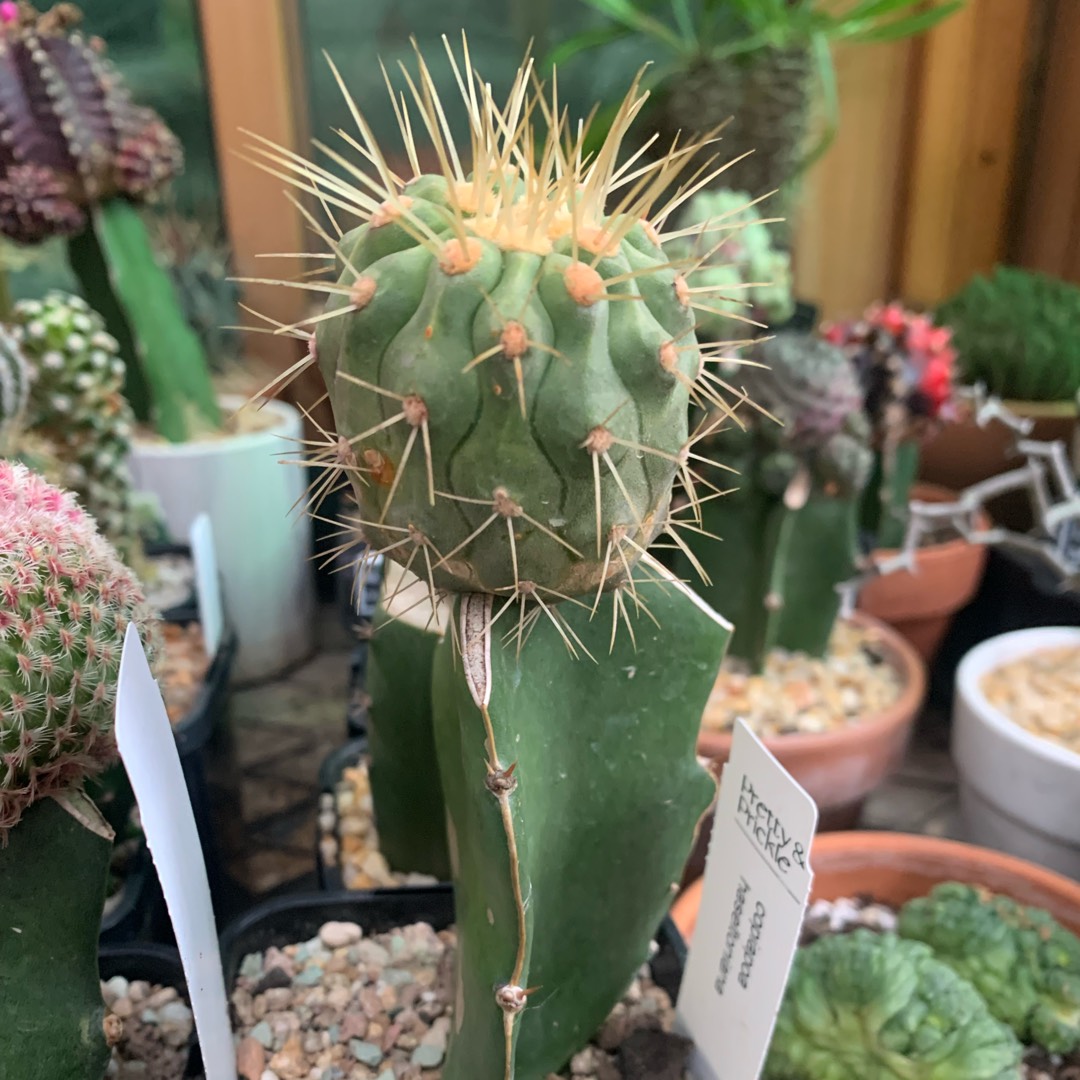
[{"x": 508, "y": 351}]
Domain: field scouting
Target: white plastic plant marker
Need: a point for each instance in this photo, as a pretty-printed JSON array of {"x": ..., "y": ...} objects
[
  {"x": 149, "y": 753},
  {"x": 207, "y": 583},
  {"x": 757, "y": 880}
]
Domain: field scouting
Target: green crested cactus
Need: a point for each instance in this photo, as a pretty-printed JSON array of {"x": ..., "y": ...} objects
[
  {"x": 66, "y": 603},
  {"x": 14, "y": 390},
  {"x": 510, "y": 357},
  {"x": 789, "y": 531},
  {"x": 1018, "y": 332},
  {"x": 752, "y": 276},
  {"x": 77, "y": 404}
]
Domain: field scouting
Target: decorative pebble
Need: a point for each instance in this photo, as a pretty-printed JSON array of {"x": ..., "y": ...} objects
[
  {"x": 799, "y": 693},
  {"x": 427, "y": 1057},
  {"x": 154, "y": 1041},
  {"x": 1039, "y": 692},
  {"x": 250, "y": 1058},
  {"x": 365, "y": 1052},
  {"x": 262, "y": 1034},
  {"x": 252, "y": 965},
  {"x": 337, "y": 935}
]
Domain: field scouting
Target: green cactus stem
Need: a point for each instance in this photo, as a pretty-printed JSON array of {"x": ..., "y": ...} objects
[
  {"x": 168, "y": 375},
  {"x": 405, "y": 786},
  {"x": 14, "y": 390},
  {"x": 53, "y": 873},
  {"x": 573, "y": 794},
  {"x": 789, "y": 532}
]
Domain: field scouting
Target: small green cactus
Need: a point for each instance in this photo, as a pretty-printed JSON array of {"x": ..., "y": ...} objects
[
  {"x": 77, "y": 404},
  {"x": 66, "y": 601},
  {"x": 1018, "y": 332},
  {"x": 751, "y": 275},
  {"x": 789, "y": 532},
  {"x": 14, "y": 390},
  {"x": 510, "y": 357}
]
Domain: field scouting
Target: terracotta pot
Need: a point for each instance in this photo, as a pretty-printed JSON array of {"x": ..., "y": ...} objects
[
  {"x": 921, "y": 605},
  {"x": 962, "y": 453},
  {"x": 838, "y": 769},
  {"x": 896, "y": 867}
]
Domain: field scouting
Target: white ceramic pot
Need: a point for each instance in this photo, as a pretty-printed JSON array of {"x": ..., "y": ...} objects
[
  {"x": 1018, "y": 793},
  {"x": 263, "y": 545}
]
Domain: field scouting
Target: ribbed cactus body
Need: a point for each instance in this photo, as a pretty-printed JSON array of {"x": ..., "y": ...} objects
[
  {"x": 14, "y": 389},
  {"x": 78, "y": 404},
  {"x": 65, "y": 603},
  {"x": 69, "y": 133},
  {"x": 508, "y": 414},
  {"x": 752, "y": 276}
]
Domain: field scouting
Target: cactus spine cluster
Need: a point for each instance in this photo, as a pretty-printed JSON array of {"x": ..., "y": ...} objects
[
  {"x": 790, "y": 529},
  {"x": 78, "y": 405},
  {"x": 510, "y": 356},
  {"x": 66, "y": 603}
]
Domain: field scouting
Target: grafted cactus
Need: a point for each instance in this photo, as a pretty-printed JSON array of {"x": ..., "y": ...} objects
[
  {"x": 510, "y": 356},
  {"x": 76, "y": 155},
  {"x": 66, "y": 603},
  {"x": 790, "y": 530},
  {"x": 76, "y": 403}
]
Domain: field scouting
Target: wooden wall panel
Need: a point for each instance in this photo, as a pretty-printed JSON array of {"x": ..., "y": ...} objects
[
  {"x": 972, "y": 85},
  {"x": 846, "y": 234}
]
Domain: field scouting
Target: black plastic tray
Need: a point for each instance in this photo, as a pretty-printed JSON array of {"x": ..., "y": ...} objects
[{"x": 330, "y": 771}]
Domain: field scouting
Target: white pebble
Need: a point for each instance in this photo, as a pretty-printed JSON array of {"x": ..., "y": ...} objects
[{"x": 337, "y": 935}]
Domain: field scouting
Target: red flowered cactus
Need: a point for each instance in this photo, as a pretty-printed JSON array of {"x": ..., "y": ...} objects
[
  {"x": 66, "y": 601},
  {"x": 70, "y": 134},
  {"x": 905, "y": 364}
]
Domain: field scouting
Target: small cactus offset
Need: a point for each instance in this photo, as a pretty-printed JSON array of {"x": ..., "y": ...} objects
[
  {"x": 65, "y": 603},
  {"x": 510, "y": 356},
  {"x": 14, "y": 390},
  {"x": 76, "y": 403},
  {"x": 751, "y": 274},
  {"x": 71, "y": 135},
  {"x": 789, "y": 530}
]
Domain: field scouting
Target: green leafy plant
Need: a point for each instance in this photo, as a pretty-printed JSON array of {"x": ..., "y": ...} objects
[
  {"x": 756, "y": 62},
  {"x": 1017, "y": 332},
  {"x": 789, "y": 529},
  {"x": 864, "y": 1005},
  {"x": 510, "y": 361},
  {"x": 1020, "y": 959},
  {"x": 82, "y": 155}
]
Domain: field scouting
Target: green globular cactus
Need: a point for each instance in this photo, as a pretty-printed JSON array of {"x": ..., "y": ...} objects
[
  {"x": 405, "y": 787},
  {"x": 78, "y": 155},
  {"x": 77, "y": 404},
  {"x": 65, "y": 603},
  {"x": 1018, "y": 332},
  {"x": 510, "y": 355},
  {"x": 789, "y": 532},
  {"x": 751, "y": 275},
  {"x": 14, "y": 390}
]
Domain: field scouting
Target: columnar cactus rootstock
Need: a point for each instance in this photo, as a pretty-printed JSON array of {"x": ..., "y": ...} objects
[
  {"x": 789, "y": 531},
  {"x": 69, "y": 132},
  {"x": 65, "y": 603},
  {"x": 510, "y": 355},
  {"x": 77, "y": 403}
]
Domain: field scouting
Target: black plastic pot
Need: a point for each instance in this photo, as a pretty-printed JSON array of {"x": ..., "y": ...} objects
[
  {"x": 290, "y": 919},
  {"x": 188, "y": 611},
  {"x": 1018, "y": 591},
  {"x": 330, "y": 772},
  {"x": 803, "y": 319},
  {"x": 130, "y": 915}
]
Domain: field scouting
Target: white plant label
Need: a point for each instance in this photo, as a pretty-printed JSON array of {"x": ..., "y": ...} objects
[
  {"x": 757, "y": 881},
  {"x": 207, "y": 583},
  {"x": 149, "y": 753}
]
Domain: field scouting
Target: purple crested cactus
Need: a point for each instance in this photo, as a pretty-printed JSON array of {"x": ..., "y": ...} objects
[
  {"x": 70, "y": 134},
  {"x": 65, "y": 603}
]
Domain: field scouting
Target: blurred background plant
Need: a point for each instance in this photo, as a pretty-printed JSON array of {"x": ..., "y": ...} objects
[
  {"x": 761, "y": 68},
  {"x": 905, "y": 367}
]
